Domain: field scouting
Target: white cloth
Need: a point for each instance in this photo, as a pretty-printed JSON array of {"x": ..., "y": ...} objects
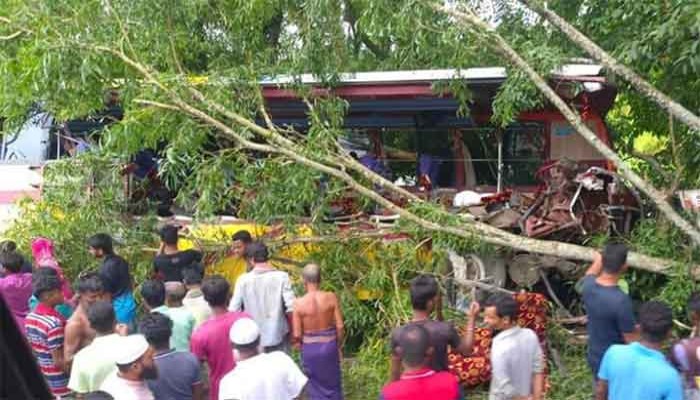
[
  {"x": 268, "y": 376},
  {"x": 515, "y": 356},
  {"x": 244, "y": 331},
  {"x": 124, "y": 389},
  {"x": 265, "y": 294},
  {"x": 94, "y": 363},
  {"x": 132, "y": 348}
]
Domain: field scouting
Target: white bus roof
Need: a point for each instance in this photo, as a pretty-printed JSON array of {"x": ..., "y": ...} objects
[{"x": 430, "y": 75}]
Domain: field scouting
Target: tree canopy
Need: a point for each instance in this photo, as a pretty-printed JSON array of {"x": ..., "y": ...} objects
[{"x": 187, "y": 74}]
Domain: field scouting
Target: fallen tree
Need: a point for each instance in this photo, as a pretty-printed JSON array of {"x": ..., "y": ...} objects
[
  {"x": 113, "y": 56},
  {"x": 499, "y": 45},
  {"x": 277, "y": 144},
  {"x": 647, "y": 89}
]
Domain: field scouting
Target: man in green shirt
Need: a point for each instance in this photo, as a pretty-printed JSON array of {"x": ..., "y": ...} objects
[
  {"x": 183, "y": 320},
  {"x": 95, "y": 362}
]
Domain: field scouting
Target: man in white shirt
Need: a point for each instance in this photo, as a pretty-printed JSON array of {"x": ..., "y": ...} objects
[
  {"x": 135, "y": 364},
  {"x": 266, "y": 294},
  {"x": 95, "y": 362},
  {"x": 257, "y": 375},
  {"x": 517, "y": 362}
]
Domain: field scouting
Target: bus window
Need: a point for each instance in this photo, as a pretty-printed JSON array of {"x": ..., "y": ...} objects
[{"x": 523, "y": 153}]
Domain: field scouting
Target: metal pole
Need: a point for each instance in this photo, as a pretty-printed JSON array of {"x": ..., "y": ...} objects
[{"x": 499, "y": 184}]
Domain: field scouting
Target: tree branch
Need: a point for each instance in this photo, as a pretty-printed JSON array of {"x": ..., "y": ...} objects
[
  {"x": 502, "y": 47},
  {"x": 647, "y": 89},
  {"x": 11, "y": 36},
  {"x": 471, "y": 229}
]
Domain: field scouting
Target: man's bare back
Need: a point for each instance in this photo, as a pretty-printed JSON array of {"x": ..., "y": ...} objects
[
  {"x": 317, "y": 311},
  {"x": 78, "y": 333}
]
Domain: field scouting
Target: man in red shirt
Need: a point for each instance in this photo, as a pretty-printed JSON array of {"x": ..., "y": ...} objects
[
  {"x": 210, "y": 343},
  {"x": 418, "y": 381}
]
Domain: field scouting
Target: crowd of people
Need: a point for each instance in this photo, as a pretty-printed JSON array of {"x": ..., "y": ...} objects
[{"x": 231, "y": 336}]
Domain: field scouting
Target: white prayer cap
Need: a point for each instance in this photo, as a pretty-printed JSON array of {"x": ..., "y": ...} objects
[
  {"x": 132, "y": 348},
  {"x": 244, "y": 331}
]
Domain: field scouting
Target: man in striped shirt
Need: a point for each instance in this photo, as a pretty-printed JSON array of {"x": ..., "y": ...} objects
[{"x": 45, "y": 328}]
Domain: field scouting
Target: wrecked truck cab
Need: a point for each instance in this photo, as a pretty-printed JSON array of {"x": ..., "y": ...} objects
[{"x": 407, "y": 127}]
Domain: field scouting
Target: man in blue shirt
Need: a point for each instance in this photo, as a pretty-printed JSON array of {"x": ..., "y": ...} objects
[
  {"x": 609, "y": 309},
  {"x": 640, "y": 371}
]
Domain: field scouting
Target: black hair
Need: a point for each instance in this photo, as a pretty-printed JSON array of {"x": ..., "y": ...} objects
[
  {"x": 175, "y": 291},
  {"x": 614, "y": 257},
  {"x": 153, "y": 293},
  {"x": 124, "y": 368},
  {"x": 99, "y": 395},
  {"x": 505, "y": 305},
  {"x": 423, "y": 289},
  {"x": 193, "y": 274},
  {"x": 8, "y": 246},
  {"x": 101, "y": 316},
  {"x": 44, "y": 281},
  {"x": 45, "y": 271},
  {"x": 656, "y": 321},
  {"x": 157, "y": 328},
  {"x": 12, "y": 261},
  {"x": 216, "y": 290},
  {"x": 414, "y": 341},
  {"x": 169, "y": 234},
  {"x": 243, "y": 236},
  {"x": 248, "y": 348},
  {"x": 257, "y": 251},
  {"x": 90, "y": 282},
  {"x": 694, "y": 302},
  {"x": 101, "y": 241}
]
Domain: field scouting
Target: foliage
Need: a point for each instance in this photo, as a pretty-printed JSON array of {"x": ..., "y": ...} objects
[
  {"x": 660, "y": 40},
  {"x": 62, "y": 55},
  {"x": 649, "y": 144},
  {"x": 84, "y": 198}
]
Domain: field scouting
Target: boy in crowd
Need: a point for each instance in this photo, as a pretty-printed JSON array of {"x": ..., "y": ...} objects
[
  {"x": 170, "y": 261},
  {"x": 684, "y": 353},
  {"x": 64, "y": 308},
  {"x": 194, "y": 299},
  {"x": 178, "y": 371},
  {"x": 418, "y": 380},
  {"x": 640, "y": 371},
  {"x": 95, "y": 362},
  {"x": 45, "y": 329},
  {"x": 116, "y": 278},
  {"x": 78, "y": 328},
  {"x": 16, "y": 286},
  {"x": 210, "y": 342},
  {"x": 517, "y": 361},
  {"x": 153, "y": 294},
  {"x": 235, "y": 264},
  {"x": 183, "y": 321},
  {"x": 425, "y": 298},
  {"x": 609, "y": 309}
]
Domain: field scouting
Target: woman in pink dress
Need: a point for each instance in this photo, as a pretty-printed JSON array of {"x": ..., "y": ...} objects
[{"x": 43, "y": 253}]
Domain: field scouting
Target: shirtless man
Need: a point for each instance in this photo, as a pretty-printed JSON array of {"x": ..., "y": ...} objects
[
  {"x": 318, "y": 331},
  {"x": 78, "y": 332}
]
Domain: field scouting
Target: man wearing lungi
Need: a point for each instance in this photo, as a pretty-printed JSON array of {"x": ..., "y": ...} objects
[{"x": 318, "y": 331}]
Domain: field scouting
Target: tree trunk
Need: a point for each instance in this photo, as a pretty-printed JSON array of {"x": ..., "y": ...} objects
[
  {"x": 501, "y": 46},
  {"x": 663, "y": 101}
]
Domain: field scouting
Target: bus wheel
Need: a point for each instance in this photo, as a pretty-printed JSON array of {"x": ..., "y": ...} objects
[{"x": 490, "y": 270}]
